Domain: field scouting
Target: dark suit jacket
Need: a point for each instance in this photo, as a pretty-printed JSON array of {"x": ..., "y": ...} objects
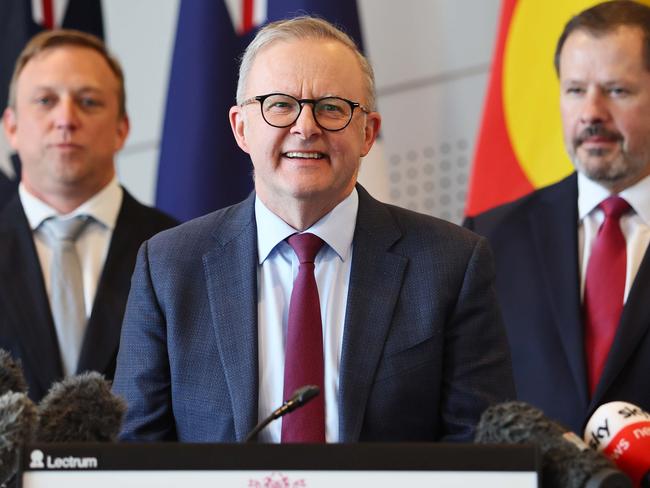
[
  {"x": 535, "y": 242},
  {"x": 424, "y": 350},
  {"x": 7, "y": 189},
  {"x": 26, "y": 324}
]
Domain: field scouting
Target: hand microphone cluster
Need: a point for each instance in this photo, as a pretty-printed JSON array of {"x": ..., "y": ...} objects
[
  {"x": 567, "y": 462},
  {"x": 78, "y": 409},
  {"x": 621, "y": 431}
]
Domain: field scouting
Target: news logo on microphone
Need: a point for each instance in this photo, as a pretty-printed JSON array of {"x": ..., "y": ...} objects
[{"x": 621, "y": 431}]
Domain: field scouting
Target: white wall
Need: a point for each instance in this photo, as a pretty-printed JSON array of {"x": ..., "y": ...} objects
[
  {"x": 141, "y": 34},
  {"x": 431, "y": 60}
]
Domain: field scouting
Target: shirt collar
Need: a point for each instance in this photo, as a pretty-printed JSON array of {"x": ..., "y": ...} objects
[
  {"x": 336, "y": 228},
  {"x": 103, "y": 207},
  {"x": 590, "y": 194}
]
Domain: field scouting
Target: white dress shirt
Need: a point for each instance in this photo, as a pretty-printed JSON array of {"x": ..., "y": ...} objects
[
  {"x": 277, "y": 269},
  {"x": 92, "y": 245},
  {"x": 635, "y": 224}
]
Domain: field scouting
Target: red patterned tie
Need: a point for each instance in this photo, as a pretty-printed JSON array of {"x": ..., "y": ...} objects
[
  {"x": 604, "y": 288},
  {"x": 303, "y": 364}
]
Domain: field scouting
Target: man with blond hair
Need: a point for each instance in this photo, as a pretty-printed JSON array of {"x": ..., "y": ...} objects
[{"x": 69, "y": 237}]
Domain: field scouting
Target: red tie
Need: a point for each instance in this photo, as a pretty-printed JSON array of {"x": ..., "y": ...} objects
[
  {"x": 604, "y": 288},
  {"x": 303, "y": 364}
]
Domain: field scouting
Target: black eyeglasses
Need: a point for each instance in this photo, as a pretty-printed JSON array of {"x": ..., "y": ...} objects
[{"x": 331, "y": 113}]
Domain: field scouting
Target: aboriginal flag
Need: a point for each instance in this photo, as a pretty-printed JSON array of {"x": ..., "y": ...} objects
[{"x": 520, "y": 144}]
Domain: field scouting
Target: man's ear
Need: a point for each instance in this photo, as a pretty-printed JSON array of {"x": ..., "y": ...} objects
[
  {"x": 371, "y": 131},
  {"x": 123, "y": 128},
  {"x": 237, "y": 124},
  {"x": 10, "y": 125}
]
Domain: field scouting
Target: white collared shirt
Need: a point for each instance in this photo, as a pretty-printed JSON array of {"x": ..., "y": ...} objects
[
  {"x": 635, "y": 225},
  {"x": 277, "y": 269},
  {"x": 92, "y": 245}
]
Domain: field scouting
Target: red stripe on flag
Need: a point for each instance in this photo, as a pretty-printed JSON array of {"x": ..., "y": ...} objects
[
  {"x": 48, "y": 14},
  {"x": 247, "y": 17},
  {"x": 497, "y": 176}
]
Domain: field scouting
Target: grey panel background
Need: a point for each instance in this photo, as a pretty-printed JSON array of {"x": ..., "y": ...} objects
[{"x": 431, "y": 60}]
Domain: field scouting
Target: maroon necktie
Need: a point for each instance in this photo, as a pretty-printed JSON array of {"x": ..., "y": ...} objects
[
  {"x": 303, "y": 364},
  {"x": 604, "y": 288}
]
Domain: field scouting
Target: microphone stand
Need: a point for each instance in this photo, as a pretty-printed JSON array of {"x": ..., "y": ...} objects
[{"x": 299, "y": 398}]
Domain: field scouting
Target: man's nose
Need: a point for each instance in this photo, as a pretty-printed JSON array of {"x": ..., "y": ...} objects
[
  {"x": 594, "y": 108},
  {"x": 306, "y": 126},
  {"x": 66, "y": 114}
]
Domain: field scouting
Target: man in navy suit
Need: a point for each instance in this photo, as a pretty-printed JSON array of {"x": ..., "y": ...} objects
[
  {"x": 543, "y": 242},
  {"x": 66, "y": 119},
  {"x": 413, "y": 348}
]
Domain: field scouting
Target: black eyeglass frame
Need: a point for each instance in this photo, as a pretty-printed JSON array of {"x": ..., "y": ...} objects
[{"x": 301, "y": 103}]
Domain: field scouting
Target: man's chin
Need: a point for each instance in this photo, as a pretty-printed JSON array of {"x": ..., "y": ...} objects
[{"x": 607, "y": 172}]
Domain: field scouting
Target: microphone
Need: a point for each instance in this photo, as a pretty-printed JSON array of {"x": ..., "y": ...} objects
[
  {"x": 11, "y": 374},
  {"x": 621, "y": 431},
  {"x": 17, "y": 415},
  {"x": 77, "y": 409},
  {"x": 80, "y": 408},
  {"x": 299, "y": 398},
  {"x": 17, "y": 420},
  {"x": 567, "y": 461}
]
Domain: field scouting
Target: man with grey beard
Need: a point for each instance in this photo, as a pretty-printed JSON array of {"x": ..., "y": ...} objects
[{"x": 572, "y": 266}]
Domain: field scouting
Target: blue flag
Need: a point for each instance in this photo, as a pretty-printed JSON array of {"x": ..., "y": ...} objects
[{"x": 201, "y": 167}]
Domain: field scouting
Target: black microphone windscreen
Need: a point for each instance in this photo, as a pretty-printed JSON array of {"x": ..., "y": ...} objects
[
  {"x": 11, "y": 374},
  {"x": 80, "y": 409},
  {"x": 17, "y": 421},
  {"x": 566, "y": 460}
]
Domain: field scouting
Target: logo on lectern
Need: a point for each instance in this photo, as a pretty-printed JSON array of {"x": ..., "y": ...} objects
[
  {"x": 36, "y": 459},
  {"x": 277, "y": 480}
]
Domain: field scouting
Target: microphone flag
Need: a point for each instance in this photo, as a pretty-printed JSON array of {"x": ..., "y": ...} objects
[
  {"x": 201, "y": 168},
  {"x": 621, "y": 431}
]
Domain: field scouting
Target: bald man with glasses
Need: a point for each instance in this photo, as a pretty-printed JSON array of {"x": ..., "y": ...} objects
[{"x": 310, "y": 281}]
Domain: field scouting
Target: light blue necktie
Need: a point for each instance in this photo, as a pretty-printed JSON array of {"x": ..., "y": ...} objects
[{"x": 66, "y": 287}]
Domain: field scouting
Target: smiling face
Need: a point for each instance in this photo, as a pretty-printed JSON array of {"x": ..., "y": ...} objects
[
  {"x": 304, "y": 165},
  {"x": 605, "y": 105},
  {"x": 66, "y": 125}
]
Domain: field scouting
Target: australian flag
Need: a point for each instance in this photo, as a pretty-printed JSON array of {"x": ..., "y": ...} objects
[
  {"x": 19, "y": 21},
  {"x": 201, "y": 167}
]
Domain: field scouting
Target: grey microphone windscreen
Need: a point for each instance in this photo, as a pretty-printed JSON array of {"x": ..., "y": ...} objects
[
  {"x": 17, "y": 421},
  {"x": 11, "y": 374},
  {"x": 80, "y": 409}
]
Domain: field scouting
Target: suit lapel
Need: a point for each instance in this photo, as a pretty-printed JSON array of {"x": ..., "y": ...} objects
[
  {"x": 375, "y": 283},
  {"x": 634, "y": 324},
  {"x": 554, "y": 229},
  {"x": 231, "y": 281},
  {"x": 25, "y": 300},
  {"x": 102, "y": 337}
]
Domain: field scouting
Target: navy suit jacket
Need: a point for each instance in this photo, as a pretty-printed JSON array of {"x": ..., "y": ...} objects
[
  {"x": 424, "y": 350},
  {"x": 535, "y": 242},
  {"x": 26, "y": 324},
  {"x": 7, "y": 189}
]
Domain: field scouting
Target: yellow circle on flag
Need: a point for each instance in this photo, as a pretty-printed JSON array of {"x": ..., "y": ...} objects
[{"x": 531, "y": 89}]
